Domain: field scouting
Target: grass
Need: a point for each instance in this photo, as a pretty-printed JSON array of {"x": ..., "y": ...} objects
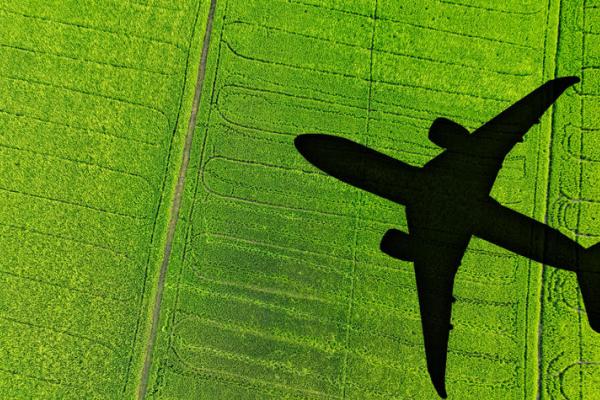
[
  {"x": 90, "y": 103},
  {"x": 276, "y": 288}
]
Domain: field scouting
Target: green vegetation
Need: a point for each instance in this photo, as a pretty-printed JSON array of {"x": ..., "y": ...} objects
[
  {"x": 276, "y": 287},
  {"x": 280, "y": 290},
  {"x": 570, "y": 349},
  {"x": 91, "y": 94}
]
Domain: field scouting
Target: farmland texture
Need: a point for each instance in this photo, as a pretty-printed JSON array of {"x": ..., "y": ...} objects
[
  {"x": 280, "y": 290},
  {"x": 275, "y": 286},
  {"x": 91, "y": 98}
]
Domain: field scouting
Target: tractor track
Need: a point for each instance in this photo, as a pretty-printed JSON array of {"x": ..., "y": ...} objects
[{"x": 176, "y": 205}]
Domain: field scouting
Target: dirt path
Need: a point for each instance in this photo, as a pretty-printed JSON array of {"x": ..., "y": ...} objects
[{"x": 176, "y": 205}]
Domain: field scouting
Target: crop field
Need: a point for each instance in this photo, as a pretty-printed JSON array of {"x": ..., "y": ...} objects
[
  {"x": 274, "y": 286},
  {"x": 91, "y": 95}
]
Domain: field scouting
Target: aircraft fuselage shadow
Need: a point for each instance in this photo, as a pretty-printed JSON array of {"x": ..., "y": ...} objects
[{"x": 448, "y": 201}]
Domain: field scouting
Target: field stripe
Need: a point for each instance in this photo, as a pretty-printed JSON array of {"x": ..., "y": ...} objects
[{"x": 176, "y": 205}]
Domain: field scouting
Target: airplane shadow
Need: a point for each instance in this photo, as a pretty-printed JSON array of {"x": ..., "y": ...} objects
[{"x": 448, "y": 201}]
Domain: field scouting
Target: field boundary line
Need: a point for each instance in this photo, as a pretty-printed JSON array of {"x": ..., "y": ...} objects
[{"x": 176, "y": 204}]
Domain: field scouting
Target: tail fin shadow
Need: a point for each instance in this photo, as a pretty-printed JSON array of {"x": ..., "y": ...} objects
[{"x": 589, "y": 284}]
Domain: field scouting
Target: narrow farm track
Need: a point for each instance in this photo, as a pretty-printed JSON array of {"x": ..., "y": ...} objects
[{"x": 176, "y": 205}]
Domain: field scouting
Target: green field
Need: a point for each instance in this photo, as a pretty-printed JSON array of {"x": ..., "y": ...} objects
[
  {"x": 275, "y": 286},
  {"x": 92, "y": 96}
]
